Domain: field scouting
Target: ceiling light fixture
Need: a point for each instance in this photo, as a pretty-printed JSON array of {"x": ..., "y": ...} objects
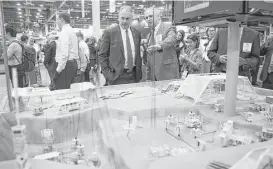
[
  {"x": 20, "y": 13},
  {"x": 18, "y": 4},
  {"x": 19, "y": 9},
  {"x": 39, "y": 10},
  {"x": 41, "y": 5}
]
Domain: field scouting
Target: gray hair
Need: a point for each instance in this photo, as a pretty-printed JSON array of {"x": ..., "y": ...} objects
[
  {"x": 126, "y": 8},
  {"x": 156, "y": 11}
]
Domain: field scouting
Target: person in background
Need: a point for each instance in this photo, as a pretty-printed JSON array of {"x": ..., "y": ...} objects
[
  {"x": 66, "y": 53},
  {"x": 93, "y": 49},
  {"x": 37, "y": 64},
  {"x": 14, "y": 53},
  {"x": 49, "y": 60},
  {"x": 191, "y": 57},
  {"x": 24, "y": 39},
  {"x": 266, "y": 75},
  {"x": 119, "y": 52},
  {"x": 162, "y": 60},
  {"x": 207, "y": 66},
  {"x": 83, "y": 59},
  {"x": 180, "y": 45},
  {"x": 32, "y": 76},
  {"x": 249, "y": 50},
  {"x": 8, "y": 119}
]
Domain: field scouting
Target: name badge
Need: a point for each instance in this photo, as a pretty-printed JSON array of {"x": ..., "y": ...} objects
[
  {"x": 158, "y": 38},
  {"x": 247, "y": 47}
]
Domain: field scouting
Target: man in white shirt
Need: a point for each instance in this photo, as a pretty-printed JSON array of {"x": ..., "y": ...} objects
[
  {"x": 66, "y": 53},
  {"x": 119, "y": 52},
  {"x": 84, "y": 58}
]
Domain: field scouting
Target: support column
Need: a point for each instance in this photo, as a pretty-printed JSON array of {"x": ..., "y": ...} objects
[
  {"x": 233, "y": 52},
  {"x": 96, "y": 18},
  {"x": 2, "y": 28}
]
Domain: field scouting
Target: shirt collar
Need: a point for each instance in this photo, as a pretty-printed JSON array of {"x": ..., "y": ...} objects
[
  {"x": 124, "y": 29},
  {"x": 157, "y": 26}
]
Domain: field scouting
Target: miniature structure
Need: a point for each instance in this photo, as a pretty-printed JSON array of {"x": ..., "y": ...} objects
[
  {"x": 160, "y": 151},
  {"x": 267, "y": 131},
  {"x": 19, "y": 142},
  {"x": 69, "y": 105},
  {"x": 226, "y": 133},
  {"x": 47, "y": 139},
  {"x": 247, "y": 116},
  {"x": 193, "y": 120},
  {"x": 218, "y": 108},
  {"x": 173, "y": 125}
]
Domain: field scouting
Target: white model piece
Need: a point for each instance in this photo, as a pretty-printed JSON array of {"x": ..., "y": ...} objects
[
  {"x": 195, "y": 86},
  {"x": 267, "y": 131},
  {"x": 257, "y": 107},
  {"x": 160, "y": 151},
  {"x": 173, "y": 125},
  {"x": 19, "y": 139},
  {"x": 218, "y": 108},
  {"x": 22, "y": 161},
  {"x": 48, "y": 156},
  {"x": 193, "y": 120},
  {"x": 47, "y": 139},
  {"x": 226, "y": 133},
  {"x": 196, "y": 132},
  {"x": 202, "y": 145},
  {"x": 247, "y": 116},
  {"x": 66, "y": 106}
]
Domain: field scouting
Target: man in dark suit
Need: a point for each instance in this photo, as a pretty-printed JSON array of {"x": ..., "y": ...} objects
[
  {"x": 266, "y": 75},
  {"x": 162, "y": 59},
  {"x": 249, "y": 50},
  {"x": 119, "y": 52},
  {"x": 49, "y": 60}
]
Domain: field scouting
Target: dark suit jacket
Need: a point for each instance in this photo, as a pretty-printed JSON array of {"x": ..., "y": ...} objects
[
  {"x": 111, "y": 54},
  {"x": 50, "y": 52},
  {"x": 267, "y": 51},
  {"x": 219, "y": 47},
  {"x": 164, "y": 64}
]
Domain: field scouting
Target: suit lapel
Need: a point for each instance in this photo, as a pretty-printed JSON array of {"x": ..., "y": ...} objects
[
  {"x": 242, "y": 38},
  {"x": 119, "y": 39}
]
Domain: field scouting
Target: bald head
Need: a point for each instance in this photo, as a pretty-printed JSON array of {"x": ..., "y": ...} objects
[
  {"x": 125, "y": 16},
  {"x": 153, "y": 16}
]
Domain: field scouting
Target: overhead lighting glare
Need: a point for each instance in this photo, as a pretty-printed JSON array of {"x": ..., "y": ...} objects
[
  {"x": 20, "y": 13},
  {"x": 41, "y": 5},
  {"x": 18, "y": 4},
  {"x": 19, "y": 9},
  {"x": 39, "y": 10}
]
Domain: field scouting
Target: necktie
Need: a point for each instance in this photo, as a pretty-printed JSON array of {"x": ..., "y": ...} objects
[
  {"x": 152, "y": 39},
  {"x": 129, "y": 52}
]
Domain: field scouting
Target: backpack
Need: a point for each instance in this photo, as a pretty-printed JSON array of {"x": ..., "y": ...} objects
[{"x": 28, "y": 58}]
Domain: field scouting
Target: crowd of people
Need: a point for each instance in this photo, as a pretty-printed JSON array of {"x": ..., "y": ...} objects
[{"x": 123, "y": 56}]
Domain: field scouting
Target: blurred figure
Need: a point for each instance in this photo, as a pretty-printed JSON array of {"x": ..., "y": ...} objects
[
  {"x": 180, "y": 45},
  {"x": 191, "y": 57},
  {"x": 49, "y": 60},
  {"x": 249, "y": 50},
  {"x": 32, "y": 75},
  {"x": 24, "y": 39},
  {"x": 93, "y": 50},
  {"x": 119, "y": 52},
  {"x": 207, "y": 66},
  {"x": 84, "y": 59},
  {"x": 162, "y": 59},
  {"x": 14, "y": 53},
  {"x": 266, "y": 75},
  {"x": 66, "y": 53}
]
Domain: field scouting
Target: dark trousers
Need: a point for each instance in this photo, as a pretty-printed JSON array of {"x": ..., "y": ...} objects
[
  {"x": 65, "y": 79},
  {"x": 268, "y": 83},
  {"x": 125, "y": 77},
  {"x": 79, "y": 78},
  {"x": 20, "y": 76},
  {"x": 51, "y": 69}
]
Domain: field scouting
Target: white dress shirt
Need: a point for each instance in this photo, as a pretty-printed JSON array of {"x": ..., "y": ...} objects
[
  {"x": 156, "y": 29},
  {"x": 84, "y": 55},
  {"x": 123, "y": 35},
  {"x": 67, "y": 48}
]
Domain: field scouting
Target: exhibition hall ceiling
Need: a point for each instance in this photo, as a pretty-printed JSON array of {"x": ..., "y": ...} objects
[{"x": 43, "y": 11}]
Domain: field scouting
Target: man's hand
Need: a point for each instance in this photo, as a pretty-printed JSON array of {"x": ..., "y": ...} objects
[
  {"x": 56, "y": 75},
  {"x": 153, "y": 48},
  {"x": 223, "y": 58}
]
